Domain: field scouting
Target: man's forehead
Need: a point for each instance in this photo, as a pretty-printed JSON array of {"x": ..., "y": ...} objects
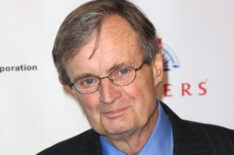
[
  {"x": 114, "y": 29},
  {"x": 100, "y": 67}
]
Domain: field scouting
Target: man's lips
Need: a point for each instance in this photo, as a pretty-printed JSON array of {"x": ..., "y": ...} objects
[{"x": 115, "y": 113}]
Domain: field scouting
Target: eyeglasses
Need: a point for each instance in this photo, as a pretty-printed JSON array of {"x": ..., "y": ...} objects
[{"x": 120, "y": 77}]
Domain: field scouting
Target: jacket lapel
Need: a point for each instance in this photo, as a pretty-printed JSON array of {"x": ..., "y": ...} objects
[{"x": 186, "y": 140}]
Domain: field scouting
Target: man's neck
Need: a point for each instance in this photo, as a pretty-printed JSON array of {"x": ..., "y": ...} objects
[{"x": 132, "y": 142}]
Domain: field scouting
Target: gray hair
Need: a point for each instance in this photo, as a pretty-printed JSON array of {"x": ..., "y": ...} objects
[{"x": 76, "y": 30}]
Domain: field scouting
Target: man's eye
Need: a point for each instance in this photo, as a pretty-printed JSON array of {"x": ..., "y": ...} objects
[
  {"x": 120, "y": 74},
  {"x": 123, "y": 71},
  {"x": 88, "y": 81}
]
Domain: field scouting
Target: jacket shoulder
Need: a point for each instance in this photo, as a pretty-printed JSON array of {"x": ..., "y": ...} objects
[
  {"x": 85, "y": 143},
  {"x": 209, "y": 129},
  {"x": 197, "y": 138},
  {"x": 219, "y": 139}
]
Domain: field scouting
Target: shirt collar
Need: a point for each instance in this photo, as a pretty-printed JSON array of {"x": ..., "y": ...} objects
[{"x": 160, "y": 141}]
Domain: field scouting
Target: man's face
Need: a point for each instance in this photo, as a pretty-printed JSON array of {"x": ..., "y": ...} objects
[{"x": 114, "y": 110}]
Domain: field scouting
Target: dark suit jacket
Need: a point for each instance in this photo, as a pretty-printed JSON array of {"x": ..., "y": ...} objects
[{"x": 190, "y": 138}]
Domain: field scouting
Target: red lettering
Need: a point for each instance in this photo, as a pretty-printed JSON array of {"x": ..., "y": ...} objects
[
  {"x": 204, "y": 90},
  {"x": 185, "y": 89},
  {"x": 167, "y": 89}
]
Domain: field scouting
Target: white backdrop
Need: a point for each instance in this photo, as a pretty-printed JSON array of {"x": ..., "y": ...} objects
[{"x": 35, "y": 112}]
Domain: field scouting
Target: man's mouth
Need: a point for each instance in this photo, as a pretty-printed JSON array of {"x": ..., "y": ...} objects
[{"x": 115, "y": 113}]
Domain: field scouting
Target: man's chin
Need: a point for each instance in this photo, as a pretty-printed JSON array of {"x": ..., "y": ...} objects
[
  {"x": 117, "y": 130},
  {"x": 120, "y": 125}
]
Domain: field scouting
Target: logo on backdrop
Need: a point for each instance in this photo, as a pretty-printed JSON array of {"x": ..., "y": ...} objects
[
  {"x": 170, "y": 60},
  {"x": 18, "y": 68}
]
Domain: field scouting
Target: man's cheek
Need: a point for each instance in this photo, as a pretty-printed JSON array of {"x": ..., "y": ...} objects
[
  {"x": 131, "y": 89},
  {"x": 88, "y": 98}
]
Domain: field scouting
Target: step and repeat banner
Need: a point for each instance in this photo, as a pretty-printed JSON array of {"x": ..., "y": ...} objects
[{"x": 35, "y": 110}]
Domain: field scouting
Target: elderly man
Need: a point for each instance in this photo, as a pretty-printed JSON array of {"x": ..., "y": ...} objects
[{"x": 106, "y": 51}]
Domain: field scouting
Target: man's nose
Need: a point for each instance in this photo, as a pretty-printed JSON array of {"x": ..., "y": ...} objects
[{"x": 108, "y": 91}]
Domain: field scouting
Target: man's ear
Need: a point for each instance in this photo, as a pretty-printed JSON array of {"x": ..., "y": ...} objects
[
  {"x": 61, "y": 81},
  {"x": 67, "y": 89},
  {"x": 157, "y": 66}
]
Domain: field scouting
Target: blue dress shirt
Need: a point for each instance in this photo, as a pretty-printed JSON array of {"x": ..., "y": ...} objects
[{"x": 159, "y": 143}]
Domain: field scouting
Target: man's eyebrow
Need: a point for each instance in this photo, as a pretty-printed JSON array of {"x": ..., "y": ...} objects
[{"x": 116, "y": 66}]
